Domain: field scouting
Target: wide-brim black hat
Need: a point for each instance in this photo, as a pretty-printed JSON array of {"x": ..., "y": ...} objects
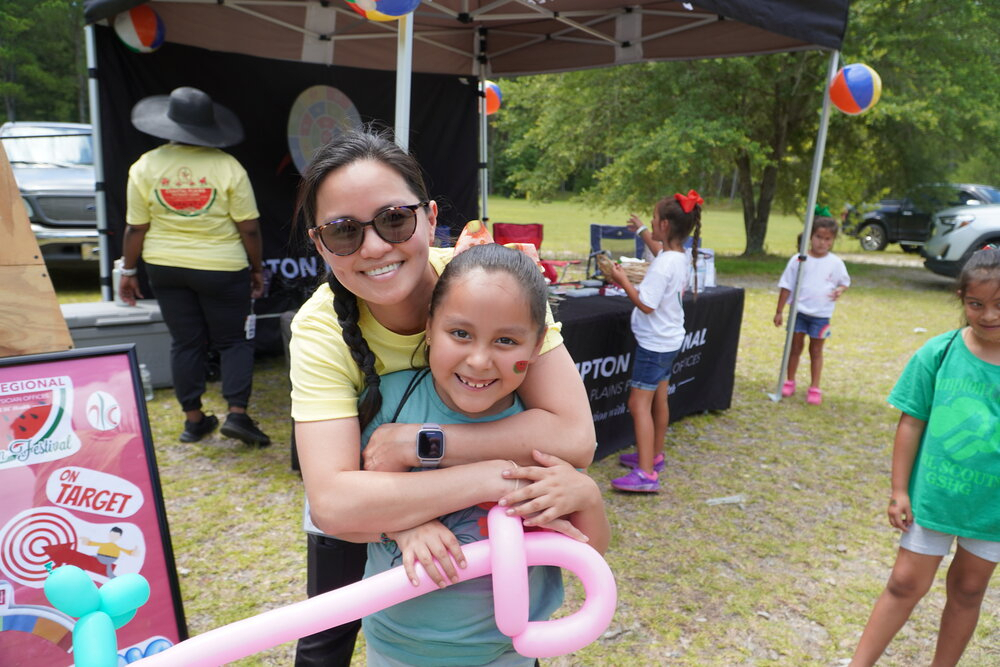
[{"x": 189, "y": 116}]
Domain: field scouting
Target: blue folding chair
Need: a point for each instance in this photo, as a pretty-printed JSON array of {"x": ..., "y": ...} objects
[{"x": 615, "y": 239}]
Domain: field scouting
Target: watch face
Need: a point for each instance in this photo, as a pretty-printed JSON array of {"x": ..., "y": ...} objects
[{"x": 430, "y": 444}]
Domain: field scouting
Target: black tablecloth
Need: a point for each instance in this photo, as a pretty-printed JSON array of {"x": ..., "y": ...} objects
[{"x": 599, "y": 337}]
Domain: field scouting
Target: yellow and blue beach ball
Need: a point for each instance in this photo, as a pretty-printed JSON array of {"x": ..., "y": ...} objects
[{"x": 855, "y": 89}]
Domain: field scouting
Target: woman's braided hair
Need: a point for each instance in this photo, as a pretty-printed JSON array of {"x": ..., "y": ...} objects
[{"x": 364, "y": 144}]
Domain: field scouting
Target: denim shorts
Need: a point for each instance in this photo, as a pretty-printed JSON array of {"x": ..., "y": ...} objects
[
  {"x": 816, "y": 327},
  {"x": 651, "y": 368},
  {"x": 929, "y": 542}
]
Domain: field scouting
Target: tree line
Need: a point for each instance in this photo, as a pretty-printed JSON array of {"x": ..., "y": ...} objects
[
  {"x": 625, "y": 135},
  {"x": 43, "y": 68}
]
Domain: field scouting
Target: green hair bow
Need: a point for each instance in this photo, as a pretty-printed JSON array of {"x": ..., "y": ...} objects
[{"x": 823, "y": 211}]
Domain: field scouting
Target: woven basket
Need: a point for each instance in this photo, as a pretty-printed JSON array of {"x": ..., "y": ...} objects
[{"x": 635, "y": 271}]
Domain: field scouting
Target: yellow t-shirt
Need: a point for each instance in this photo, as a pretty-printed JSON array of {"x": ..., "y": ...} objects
[
  {"x": 191, "y": 197},
  {"x": 326, "y": 382}
]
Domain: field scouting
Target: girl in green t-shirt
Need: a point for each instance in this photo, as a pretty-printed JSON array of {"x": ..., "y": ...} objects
[{"x": 946, "y": 471}]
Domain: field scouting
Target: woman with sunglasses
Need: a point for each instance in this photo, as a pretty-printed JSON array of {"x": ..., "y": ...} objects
[{"x": 369, "y": 320}]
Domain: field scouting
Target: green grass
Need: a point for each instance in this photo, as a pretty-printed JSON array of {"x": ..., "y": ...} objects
[
  {"x": 787, "y": 577},
  {"x": 567, "y": 227}
]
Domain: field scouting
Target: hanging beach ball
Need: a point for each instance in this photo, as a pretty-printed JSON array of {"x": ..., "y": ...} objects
[
  {"x": 493, "y": 97},
  {"x": 855, "y": 89},
  {"x": 141, "y": 29},
  {"x": 383, "y": 10}
]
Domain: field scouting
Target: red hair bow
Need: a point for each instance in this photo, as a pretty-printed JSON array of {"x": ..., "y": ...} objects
[{"x": 689, "y": 201}]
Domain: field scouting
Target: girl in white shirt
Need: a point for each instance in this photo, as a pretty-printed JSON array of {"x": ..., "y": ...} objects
[{"x": 658, "y": 325}]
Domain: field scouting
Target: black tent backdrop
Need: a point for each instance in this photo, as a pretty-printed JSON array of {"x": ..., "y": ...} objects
[{"x": 262, "y": 91}]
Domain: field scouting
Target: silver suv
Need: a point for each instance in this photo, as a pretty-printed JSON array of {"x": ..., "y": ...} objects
[
  {"x": 53, "y": 166},
  {"x": 958, "y": 232}
]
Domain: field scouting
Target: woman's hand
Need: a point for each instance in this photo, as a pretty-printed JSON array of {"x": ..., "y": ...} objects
[
  {"x": 392, "y": 448},
  {"x": 435, "y": 547},
  {"x": 778, "y": 319},
  {"x": 256, "y": 283},
  {"x": 900, "y": 512},
  {"x": 555, "y": 489},
  {"x": 128, "y": 289}
]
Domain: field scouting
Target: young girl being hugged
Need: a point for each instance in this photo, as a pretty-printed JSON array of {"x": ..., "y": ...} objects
[
  {"x": 824, "y": 279},
  {"x": 658, "y": 325},
  {"x": 945, "y": 465},
  {"x": 486, "y": 327}
]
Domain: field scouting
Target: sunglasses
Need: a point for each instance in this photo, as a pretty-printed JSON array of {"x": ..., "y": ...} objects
[{"x": 344, "y": 236}]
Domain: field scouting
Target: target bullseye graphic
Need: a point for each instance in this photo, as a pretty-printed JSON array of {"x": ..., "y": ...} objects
[{"x": 27, "y": 541}]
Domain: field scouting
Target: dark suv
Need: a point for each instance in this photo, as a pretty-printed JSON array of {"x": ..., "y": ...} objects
[
  {"x": 53, "y": 166},
  {"x": 907, "y": 221}
]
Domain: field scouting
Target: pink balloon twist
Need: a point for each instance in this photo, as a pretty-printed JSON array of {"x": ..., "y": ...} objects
[{"x": 507, "y": 554}]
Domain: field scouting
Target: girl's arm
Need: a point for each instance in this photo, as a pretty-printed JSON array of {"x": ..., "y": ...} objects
[
  {"x": 904, "y": 452},
  {"x": 783, "y": 295},
  {"x": 360, "y": 505},
  {"x": 555, "y": 489},
  {"x": 558, "y": 420},
  {"x": 645, "y": 233}
]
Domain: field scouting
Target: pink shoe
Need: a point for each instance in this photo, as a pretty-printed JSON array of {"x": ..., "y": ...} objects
[
  {"x": 815, "y": 396},
  {"x": 788, "y": 388}
]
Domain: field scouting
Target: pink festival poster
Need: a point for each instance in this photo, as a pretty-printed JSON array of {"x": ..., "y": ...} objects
[{"x": 79, "y": 486}]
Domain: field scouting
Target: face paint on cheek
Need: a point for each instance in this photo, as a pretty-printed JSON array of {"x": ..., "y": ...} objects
[{"x": 521, "y": 366}]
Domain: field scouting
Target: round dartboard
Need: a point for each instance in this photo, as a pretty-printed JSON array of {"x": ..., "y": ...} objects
[{"x": 319, "y": 115}]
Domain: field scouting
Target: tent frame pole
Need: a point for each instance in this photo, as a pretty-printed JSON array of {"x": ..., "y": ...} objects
[
  {"x": 484, "y": 151},
  {"x": 484, "y": 148},
  {"x": 107, "y": 289},
  {"x": 404, "y": 74},
  {"x": 817, "y": 168}
]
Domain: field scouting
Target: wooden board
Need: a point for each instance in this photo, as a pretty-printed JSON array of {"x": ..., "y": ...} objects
[
  {"x": 14, "y": 225},
  {"x": 30, "y": 319}
]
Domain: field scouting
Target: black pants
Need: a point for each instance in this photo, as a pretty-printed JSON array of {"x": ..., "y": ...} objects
[
  {"x": 199, "y": 307},
  {"x": 331, "y": 563}
]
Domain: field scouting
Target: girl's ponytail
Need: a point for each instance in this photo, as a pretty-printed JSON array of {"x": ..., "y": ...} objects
[
  {"x": 346, "y": 306},
  {"x": 695, "y": 244}
]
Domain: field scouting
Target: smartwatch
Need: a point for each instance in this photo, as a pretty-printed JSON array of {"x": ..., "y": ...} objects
[{"x": 430, "y": 445}]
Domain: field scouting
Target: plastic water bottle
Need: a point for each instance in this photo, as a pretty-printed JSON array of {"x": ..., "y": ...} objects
[
  {"x": 116, "y": 277},
  {"x": 147, "y": 382}
]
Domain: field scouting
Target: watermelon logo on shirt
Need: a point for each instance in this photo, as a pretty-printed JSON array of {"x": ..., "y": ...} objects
[{"x": 184, "y": 195}]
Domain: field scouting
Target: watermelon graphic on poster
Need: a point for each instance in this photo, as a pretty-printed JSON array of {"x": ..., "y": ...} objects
[{"x": 35, "y": 416}]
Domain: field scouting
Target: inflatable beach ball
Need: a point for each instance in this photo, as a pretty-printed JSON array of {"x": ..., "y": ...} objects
[
  {"x": 493, "y": 97},
  {"x": 383, "y": 10},
  {"x": 140, "y": 29},
  {"x": 855, "y": 89}
]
